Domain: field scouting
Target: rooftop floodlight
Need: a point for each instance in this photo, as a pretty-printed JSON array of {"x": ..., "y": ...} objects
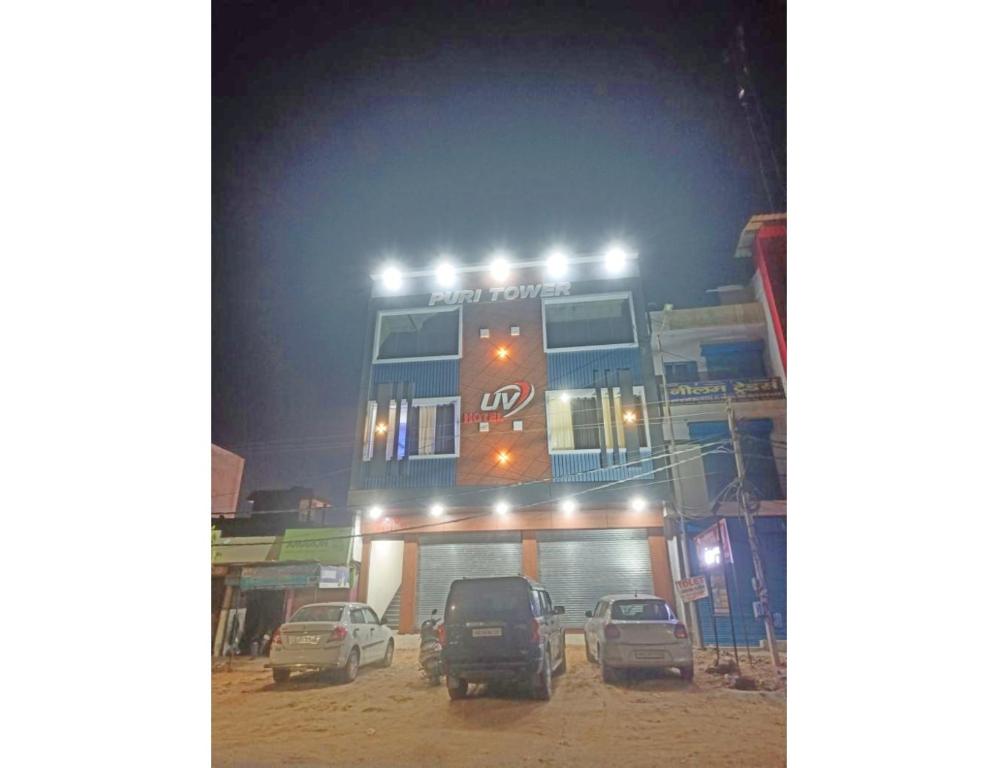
[
  {"x": 499, "y": 267},
  {"x": 391, "y": 278},
  {"x": 436, "y": 510},
  {"x": 502, "y": 508},
  {"x": 375, "y": 512},
  {"x": 615, "y": 258},
  {"x": 638, "y": 504},
  {"x": 446, "y": 274},
  {"x": 556, "y": 262},
  {"x": 568, "y": 506}
]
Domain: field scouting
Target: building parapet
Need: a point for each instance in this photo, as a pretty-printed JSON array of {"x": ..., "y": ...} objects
[{"x": 706, "y": 317}]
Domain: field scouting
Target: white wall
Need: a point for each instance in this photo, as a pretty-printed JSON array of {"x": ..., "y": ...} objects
[{"x": 385, "y": 574}]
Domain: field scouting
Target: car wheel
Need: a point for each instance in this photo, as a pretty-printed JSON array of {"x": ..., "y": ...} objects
[
  {"x": 457, "y": 688},
  {"x": 281, "y": 675},
  {"x": 542, "y": 683},
  {"x": 609, "y": 673},
  {"x": 349, "y": 673},
  {"x": 389, "y": 654},
  {"x": 686, "y": 673}
]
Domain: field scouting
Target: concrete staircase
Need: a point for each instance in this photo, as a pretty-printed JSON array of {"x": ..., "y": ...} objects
[{"x": 392, "y": 611}]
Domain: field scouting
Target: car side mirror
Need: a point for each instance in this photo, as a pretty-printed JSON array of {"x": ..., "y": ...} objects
[
  {"x": 589, "y": 614},
  {"x": 559, "y": 609},
  {"x": 433, "y": 612},
  {"x": 384, "y": 621}
]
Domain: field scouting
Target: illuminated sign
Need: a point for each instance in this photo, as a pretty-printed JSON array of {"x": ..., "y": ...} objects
[
  {"x": 713, "y": 545},
  {"x": 507, "y": 293},
  {"x": 503, "y": 402}
]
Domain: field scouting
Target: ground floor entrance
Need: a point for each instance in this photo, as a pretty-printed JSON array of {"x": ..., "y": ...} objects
[{"x": 580, "y": 567}]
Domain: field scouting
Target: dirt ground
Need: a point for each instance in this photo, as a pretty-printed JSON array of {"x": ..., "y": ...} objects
[{"x": 391, "y": 717}]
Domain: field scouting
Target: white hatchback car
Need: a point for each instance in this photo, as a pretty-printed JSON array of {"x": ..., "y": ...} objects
[
  {"x": 637, "y": 632},
  {"x": 330, "y": 637}
]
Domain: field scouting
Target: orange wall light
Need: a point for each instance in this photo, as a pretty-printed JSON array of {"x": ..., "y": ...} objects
[{"x": 502, "y": 353}]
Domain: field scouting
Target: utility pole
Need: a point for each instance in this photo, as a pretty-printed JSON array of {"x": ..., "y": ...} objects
[{"x": 760, "y": 576}]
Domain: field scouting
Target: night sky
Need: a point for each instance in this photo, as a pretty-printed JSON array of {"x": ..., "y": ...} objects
[{"x": 342, "y": 132}]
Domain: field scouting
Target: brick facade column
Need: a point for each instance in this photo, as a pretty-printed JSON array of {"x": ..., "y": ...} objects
[
  {"x": 410, "y": 570},
  {"x": 661, "y": 570},
  {"x": 528, "y": 547}
]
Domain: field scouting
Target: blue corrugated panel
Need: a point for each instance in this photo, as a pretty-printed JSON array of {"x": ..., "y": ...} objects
[
  {"x": 434, "y": 378},
  {"x": 772, "y": 533},
  {"x": 585, "y": 468},
  {"x": 574, "y": 370},
  {"x": 422, "y": 473}
]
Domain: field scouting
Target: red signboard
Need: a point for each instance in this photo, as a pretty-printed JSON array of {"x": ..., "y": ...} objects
[{"x": 714, "y": 544}]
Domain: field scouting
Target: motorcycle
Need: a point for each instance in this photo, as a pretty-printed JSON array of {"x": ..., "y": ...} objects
[{"x": 429, "y": 650}]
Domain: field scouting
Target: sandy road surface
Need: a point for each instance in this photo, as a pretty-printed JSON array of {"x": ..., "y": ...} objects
[{"x": 390, "y": 717}]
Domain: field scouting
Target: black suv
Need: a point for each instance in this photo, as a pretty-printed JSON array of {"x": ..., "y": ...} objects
[{"x": 501, "y": 628}]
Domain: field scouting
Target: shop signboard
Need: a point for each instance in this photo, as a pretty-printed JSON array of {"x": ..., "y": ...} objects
[
  {"x": 279, "y": 576},
  {"x": 694, "y": 588},
  {"x": 329, "y": 546},
  {"x": 334, "y": 577},
  {"x": 738, "y": 389},
  {"x": 713, "y": 544}
]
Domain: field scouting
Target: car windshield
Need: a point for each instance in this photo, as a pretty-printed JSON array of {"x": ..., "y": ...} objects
[
  {"x": 640, "y": 610},
  {"x": 481, "y": 599},
  {"x": 318, "y": 613}
]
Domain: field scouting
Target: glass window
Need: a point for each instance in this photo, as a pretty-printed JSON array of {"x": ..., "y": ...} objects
[
  {"x": 433, "y": 428},
  {"x": 546, "y": 603},
  {"x": 588, "y": 322},
  {"x": 418, "y": 334},
  {"x": 737, "y": 360},
  {"x": 576, "y": 417},
  {"x": 371, "y": 616},
  {"x": 425, "y": 428},
  {"x": 318, "y": 613},
  {"x": 357, "y": 616},
  {"x": 679, "y": 372},
  {"x": 535, "y": 603},
  {"x": 640, "y": 610}
]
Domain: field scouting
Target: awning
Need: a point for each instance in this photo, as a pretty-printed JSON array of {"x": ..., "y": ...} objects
[{"x": 244, "y": 549}]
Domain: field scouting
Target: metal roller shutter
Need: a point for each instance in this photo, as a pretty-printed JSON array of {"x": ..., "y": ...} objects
[
  {"x": 580, "y": 567},
  {"x": 442, "y": 559}
]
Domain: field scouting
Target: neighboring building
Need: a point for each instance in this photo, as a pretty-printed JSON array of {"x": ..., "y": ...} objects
[
  {"x": 226, "y": 480},
  {"x": 708, "y": 357},
  {"x": 764, "y": 240},
  {"x": 484, "y": 407},
  {"x": 270, "y": 561},
  {"x": 299, "y": 503}
]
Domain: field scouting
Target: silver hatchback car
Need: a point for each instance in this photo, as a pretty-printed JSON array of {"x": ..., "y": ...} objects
[
  {"x": 337, "y": 638},
  {"x": 637, "y": 632}
]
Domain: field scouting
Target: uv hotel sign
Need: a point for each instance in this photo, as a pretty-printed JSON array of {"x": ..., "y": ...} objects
[{"x": 502, "y": 403}]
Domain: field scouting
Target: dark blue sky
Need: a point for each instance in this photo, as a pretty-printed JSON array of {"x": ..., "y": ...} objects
[{"x": 342, "y": 131}]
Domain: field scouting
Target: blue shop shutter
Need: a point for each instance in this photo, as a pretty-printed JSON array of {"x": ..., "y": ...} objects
[{"x": 772, "y": 535}]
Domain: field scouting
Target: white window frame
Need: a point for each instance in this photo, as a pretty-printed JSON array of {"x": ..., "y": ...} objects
[
  {"x": 419, "y": 402},
  {"x": 418, "y": 311},
  {"x": 638, "y": 389},
  {"x": 589, "y": 297}
]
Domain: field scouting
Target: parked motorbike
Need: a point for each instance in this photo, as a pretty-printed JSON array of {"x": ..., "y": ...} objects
[{"x": 429, "y": 650}]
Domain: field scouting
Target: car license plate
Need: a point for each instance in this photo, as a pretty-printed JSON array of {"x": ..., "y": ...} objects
[
  {"x": 489, "y": 632},
  {"x": 303, "y": 640},
  {"x": 649, "y": 655}
]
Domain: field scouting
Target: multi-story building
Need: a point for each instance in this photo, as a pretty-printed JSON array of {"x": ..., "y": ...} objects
[
  {"x": 712, "y": 359},
  {"x": 509, "y": 423}
]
